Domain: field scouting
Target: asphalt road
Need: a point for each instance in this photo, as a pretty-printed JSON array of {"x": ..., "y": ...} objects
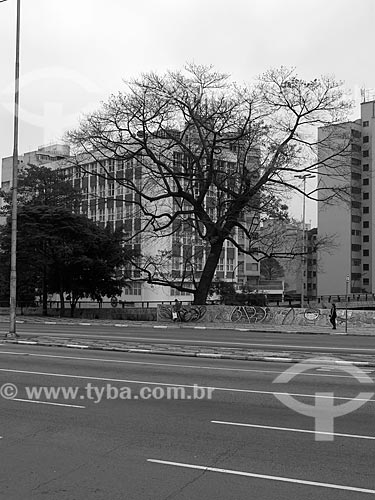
[
  {"x": 241, "y": 444},
  {"x": 226, "y": 338}
]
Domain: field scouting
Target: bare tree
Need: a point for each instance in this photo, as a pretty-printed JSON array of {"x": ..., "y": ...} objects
[{"x": 203, "y": 160}]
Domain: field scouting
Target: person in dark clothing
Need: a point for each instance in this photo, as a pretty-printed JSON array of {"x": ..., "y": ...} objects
[
  {"x": 176, "y": 310},
  {"x": 333, "y": 316}
]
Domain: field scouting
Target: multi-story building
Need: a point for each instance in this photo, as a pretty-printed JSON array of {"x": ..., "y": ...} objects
[
  {"x": 350, "y": 220},
  {"x": 108, "y": 202},
  {"x": 290, "y": 242},
  {"x": 44, "y": 154}
]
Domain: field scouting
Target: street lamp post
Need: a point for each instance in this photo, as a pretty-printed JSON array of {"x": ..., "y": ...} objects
[
  {"x": 346, "y": 302},
  {"x": 303, "y": 177},
  {"x": 13, "y": 251}
]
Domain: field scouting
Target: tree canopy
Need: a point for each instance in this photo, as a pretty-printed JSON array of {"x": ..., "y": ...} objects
[
  {"x": 207, "y": 161},
  {"x": 58, "y": 250}
]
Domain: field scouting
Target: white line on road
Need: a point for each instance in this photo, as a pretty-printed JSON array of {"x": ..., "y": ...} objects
[
  {"x": 288, "y": 429},
  {"x": 262, "y": 476},
  {"x": 78, "y": 345},
  {"x": 45, "y": 403},
  {"x": 175, "y": 365},
  {"x": 146, "y": 382},
  {"x": 194, "y": 341}
]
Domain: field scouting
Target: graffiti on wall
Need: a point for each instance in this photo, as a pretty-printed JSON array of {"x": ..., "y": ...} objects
[
  {"x": 186, "y": 313},
  {"x": 248, "y": 314}
]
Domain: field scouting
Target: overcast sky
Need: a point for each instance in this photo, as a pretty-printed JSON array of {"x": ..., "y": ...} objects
[{"x": 74, "y": 53}]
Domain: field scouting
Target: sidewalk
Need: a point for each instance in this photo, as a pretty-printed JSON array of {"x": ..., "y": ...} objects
[
  {"x": 245, "y": 327},
  {"x": 193, "y": 350}
]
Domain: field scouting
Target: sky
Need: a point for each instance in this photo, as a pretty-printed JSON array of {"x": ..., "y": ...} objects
[{"x": 75, "y": 53}]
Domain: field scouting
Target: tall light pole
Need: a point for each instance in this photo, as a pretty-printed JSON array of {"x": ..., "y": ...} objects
[
  {"x": 13, "y": 251},
  {"x": 303, "y": 177}
]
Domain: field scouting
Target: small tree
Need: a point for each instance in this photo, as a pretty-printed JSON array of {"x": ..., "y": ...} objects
[
  {"x": 271, "y": 269},
  {"x": 73, "y": 254},
  {"x": 205, "y": 158}
]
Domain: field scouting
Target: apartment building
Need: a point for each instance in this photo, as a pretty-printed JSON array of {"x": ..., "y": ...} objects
[
  {"x": 44, "y": 154},
  {"x": 290, "y": 242},
  {"x": 351, "y": 220}
]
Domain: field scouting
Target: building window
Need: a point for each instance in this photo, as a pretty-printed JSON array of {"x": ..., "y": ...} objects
[
  {"x": 356, "y": 262},
  {"x": 356, "y": 162},
  {"x": 365, "y": 123},
  {"x": 102, "y": 191},
  {"x": 366, "y": 267},
  {"x": 366, "y": 182},
  {"x": 366, "y": 253},
  {"x": 366, "y": 224},
  {"x": 356, "y": 248},
  {"x": 230, "y": 265},
  {"x": 366, "y": 138},
  {"x": 101, "y": 215},
  {"x": 111, "y": 214},
  {"x": 220, "y": 265},
  {"x": 355, "y": 175},
  {"x": 366, "y": 281},
  {"x": 356, "y": 148},
  {"x": 366, "y": 167},
  {"x": 365, "y": 154},
  {"x": 366, "y": 210},
  {"x": 133, "y": 289},
  {"x": 366, "y": 196},
  {"x": 356, "y": 218},
  {"x": 356, "y": 204},
  {"x": 366, "y": 238},
  {"x": 111, "y": 189},
  {"x": 120, "y": 213}
]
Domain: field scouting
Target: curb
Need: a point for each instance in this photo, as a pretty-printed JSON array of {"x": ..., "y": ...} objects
[
  {"x": 190, "y": 351},
  {"x": 219, "y": 326}
]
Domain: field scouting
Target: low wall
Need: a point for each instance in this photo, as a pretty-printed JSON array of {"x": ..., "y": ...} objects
[
  {"x": 128, "y": 313},
  {"x": 266, "y": 315}
]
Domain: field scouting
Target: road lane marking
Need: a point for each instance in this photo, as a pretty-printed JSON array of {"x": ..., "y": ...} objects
[
  {"x": 193, "y": 341},
  {"x": 174, "y": 365},
  {"x": 45, "y": 403},
  {"x": 288, "y": 429},
  {"x": 262, "y": 476},
  {"x": 145, "y": 382},
  {"x": 78, "y": 345}
]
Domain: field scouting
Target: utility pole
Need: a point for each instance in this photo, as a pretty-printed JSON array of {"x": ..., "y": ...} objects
[
  {"x": 303, "y": 177},
  {"x": 346, "y": 303},
  {"x": 13, "y": 252}
]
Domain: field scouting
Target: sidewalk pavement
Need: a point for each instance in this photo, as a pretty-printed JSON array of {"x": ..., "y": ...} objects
[
  {"x": 244, "y": 327},
  {"x": 201, "y": 351}
]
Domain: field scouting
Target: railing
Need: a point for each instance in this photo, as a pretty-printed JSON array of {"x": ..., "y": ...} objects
[{"x": 82, "y": 304}]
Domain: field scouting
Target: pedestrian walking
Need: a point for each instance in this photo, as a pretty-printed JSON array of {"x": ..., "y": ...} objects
[
  {"x": 333, "y": 316},
  {"x": 176, "y": 311}
]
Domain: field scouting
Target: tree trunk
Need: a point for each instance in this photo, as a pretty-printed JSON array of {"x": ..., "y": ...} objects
[
  {"x": 62, "y": 304},
  {"x": 44, "y": 291},
  {"x": 208, "y": 273},
  {"x": 72, "y": 308}
]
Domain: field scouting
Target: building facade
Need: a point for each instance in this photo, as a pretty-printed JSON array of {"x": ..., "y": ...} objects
[{"x": 350, "y": 220}]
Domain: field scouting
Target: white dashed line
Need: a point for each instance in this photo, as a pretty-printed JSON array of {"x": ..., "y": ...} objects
[
  {"x": 263, "y": 476},
  {"x": 287, "y": 429},
  {"x": 46, "y": 403}
]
